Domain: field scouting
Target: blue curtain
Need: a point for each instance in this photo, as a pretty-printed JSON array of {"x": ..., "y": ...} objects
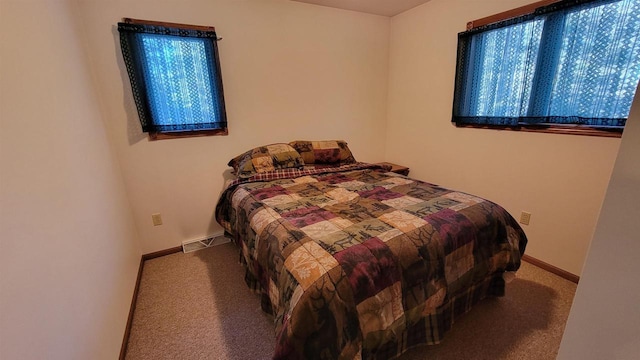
[
  {"x": 175, "y": 77},
  {"x": 573, "y": 62}
]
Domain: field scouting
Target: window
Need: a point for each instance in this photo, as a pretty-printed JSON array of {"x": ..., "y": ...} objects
[
  {"x": 175, "y": 77},
  {"x": 572, "y": 64}
]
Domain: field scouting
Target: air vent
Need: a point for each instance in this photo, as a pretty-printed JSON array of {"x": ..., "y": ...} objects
[{"x": 209, "y": 241}]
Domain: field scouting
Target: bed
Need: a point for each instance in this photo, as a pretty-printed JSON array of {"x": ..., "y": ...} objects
[{"x": 356, "y": 262}]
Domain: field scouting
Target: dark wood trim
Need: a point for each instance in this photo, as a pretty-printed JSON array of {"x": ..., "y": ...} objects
[
  {"x": 553, "y": 129},
  {"x": 132, "y": 308},
  {"x": 160, "y": 253},
  {"x": 185, "y": 134},
  {"x": 168, "y": 24},
  {"x": 520, "y": 11},
  {"x": 552, "y": 269},
  {"x": 574, "y": 130}
]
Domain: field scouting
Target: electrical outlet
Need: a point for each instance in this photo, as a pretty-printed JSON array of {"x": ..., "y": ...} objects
[
  {"x": 157, "y": 219},
  {"x": 525, "y": 218}
]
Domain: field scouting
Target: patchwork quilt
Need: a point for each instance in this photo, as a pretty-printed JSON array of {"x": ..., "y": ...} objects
[{"x": 355, "y": 262}]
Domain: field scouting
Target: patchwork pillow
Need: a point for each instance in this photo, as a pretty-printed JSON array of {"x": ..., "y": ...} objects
[
  {"x": 324, "y": 152},
  {"x": 235, "y": 162},
  {"x": 266, "y": 158}
]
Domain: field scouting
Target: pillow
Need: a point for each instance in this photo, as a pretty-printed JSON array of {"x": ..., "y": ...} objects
[
  {"x": 266, "y": 158},
  {"x": 324, "y": 152},
  {"x": 235, "y": 162}
]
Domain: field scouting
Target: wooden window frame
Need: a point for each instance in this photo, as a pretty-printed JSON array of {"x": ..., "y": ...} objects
[
  {"x": 509, "y": 14},
  {"x": 185, "y": 134}
]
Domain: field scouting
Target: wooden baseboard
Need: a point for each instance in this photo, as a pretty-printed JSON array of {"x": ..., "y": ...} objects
[
  {"x": 160, "y": 253},
  {"x": 127, "y": 330},
  {"x": 132, "y": 308},
  {"x": 552, "y": 269}
]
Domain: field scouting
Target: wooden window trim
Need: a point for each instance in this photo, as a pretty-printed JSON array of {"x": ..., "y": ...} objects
[
  {"x": 185, "y": 134},
  {"x": 509, "y": 14},
  {"x": 168, "y": 24},
  {"x": 553, "y": 129}
]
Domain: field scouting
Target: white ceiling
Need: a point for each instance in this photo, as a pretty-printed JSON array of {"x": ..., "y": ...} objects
[{"x": 378, "y": 7}]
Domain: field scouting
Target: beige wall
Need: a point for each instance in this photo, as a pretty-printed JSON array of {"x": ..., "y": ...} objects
[
  {"x": 605, "y": 317},
  {"x": 69, "y": 253},
  {"x": 290, "y": 71},
  {"x": 560, "y": 179},
  {"x": 78, "y": 181}
]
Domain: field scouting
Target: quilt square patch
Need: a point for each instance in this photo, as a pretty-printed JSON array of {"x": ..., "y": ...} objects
[
  {"x": 458, "y": 263},
  {"x": 367, "y": 229},
  {"x": 317, "y": 230},
  {"x": 290, "y": 206},
  {"x": 281, "y": 199},
  {"x": 388, "y": 235},
  {"x": 342, "y": 195},
  {"x": 274, "y": 293},
  {"x": 308, "y": 263},
  {"x": 370, "y": 268},
  {"x": 379, "y": 193},
  {"x": 402, "y": 202},
  {"x": 320, "y": 201},
  {"x": 352, "y": 185},
  {"x": 297, "y": 294},
  {"x": 359, "y": 209},
  {"x": 269, "y": 192},
  {"x": 336, "y": 241},
  {"x": 307, "y": 216},
  {"x": 379, "y": 312},
  {"x": 393, "y": 181},
  {"x": 464, "y": 200},
  {"x": 455, "y": 229},
  {"x": 341, "y": 223},
  {"x": 262, "y": 218},
  {"x": 402, "y": 220},
  {"x": 425, "y": 191},
  {"x": 238, "y": 196},
  {"x": 306, "y": 190},
  {"x": 432, "y": 206},
  {"x": 335, "y": 178}
]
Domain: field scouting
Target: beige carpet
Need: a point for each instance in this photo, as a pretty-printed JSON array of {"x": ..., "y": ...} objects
[{"x": 196, "y": 306}]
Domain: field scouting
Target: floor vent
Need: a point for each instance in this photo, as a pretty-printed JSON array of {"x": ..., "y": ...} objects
[{"x": 209, "y": 241}]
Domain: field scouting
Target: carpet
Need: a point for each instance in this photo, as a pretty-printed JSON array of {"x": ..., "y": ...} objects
[{"x": 197, "y": 306}]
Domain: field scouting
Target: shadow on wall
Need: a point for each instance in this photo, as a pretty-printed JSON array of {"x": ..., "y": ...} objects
[{"x": 134, "y": 130}]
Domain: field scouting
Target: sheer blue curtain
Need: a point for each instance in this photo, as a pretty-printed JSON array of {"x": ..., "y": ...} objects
[
  {"x": 180, "y": 86},
  {"x": 573, "y": 62}
]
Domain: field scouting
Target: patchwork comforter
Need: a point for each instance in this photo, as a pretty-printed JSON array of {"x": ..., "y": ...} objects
[{"x": 356, "y": 262}]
